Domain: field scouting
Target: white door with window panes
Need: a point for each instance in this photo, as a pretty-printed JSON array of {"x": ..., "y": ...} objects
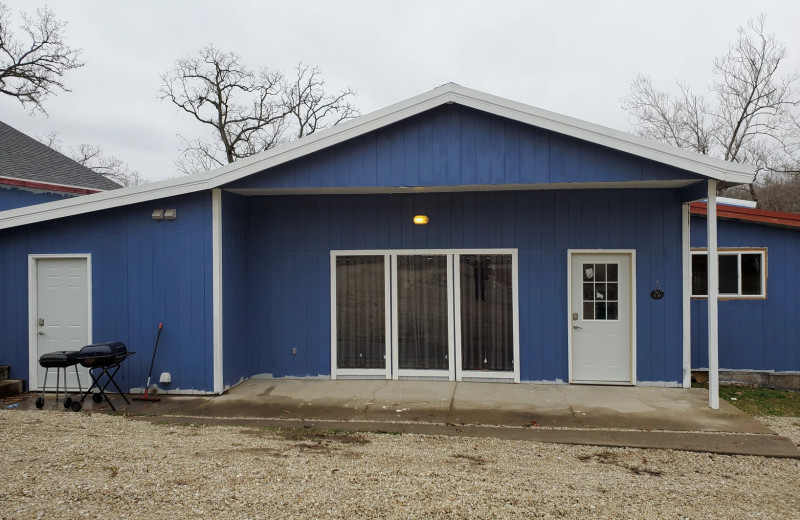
[{"x": 600, "y": 320}]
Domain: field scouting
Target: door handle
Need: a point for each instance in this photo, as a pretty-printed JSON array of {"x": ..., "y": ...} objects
[
  {"x": 577, "y": 327},
  {"x": 42, "y": 333}
]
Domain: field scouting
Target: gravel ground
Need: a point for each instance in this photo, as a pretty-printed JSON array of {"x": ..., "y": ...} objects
[{"x": 67, "y": 465}]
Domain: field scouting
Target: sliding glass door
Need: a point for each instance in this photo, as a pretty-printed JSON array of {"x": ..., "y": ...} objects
[
  {"x": 423, "y": 329},
  {"x": 448, "y": 315},
  {"x": 486, "y": 327}
]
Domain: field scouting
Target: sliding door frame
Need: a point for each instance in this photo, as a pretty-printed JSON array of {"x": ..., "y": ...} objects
[{"x": 454, "y": 372}]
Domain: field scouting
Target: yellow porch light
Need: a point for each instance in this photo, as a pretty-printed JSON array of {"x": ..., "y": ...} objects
[{"x": 421, "y": 220}]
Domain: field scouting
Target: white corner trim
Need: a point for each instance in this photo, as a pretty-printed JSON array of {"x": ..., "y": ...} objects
[
  {"x": 216, "y": 267},
  {"x": 448, "y": 93},
  {"x": 686, "y": 267}
]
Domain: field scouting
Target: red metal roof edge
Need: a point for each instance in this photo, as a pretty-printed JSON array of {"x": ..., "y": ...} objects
[
  {"x": 45, "y": 186},
  {"x": 777, "y": 218}
]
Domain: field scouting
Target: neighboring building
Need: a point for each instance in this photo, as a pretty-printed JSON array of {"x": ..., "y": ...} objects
[
  {"x": 545, "y": 239},
  {"x": 759, "y": 329},
  {"x": 32, "y": 173}
]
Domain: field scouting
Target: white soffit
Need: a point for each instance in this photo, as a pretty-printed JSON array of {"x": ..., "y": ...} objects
[{"x": 448, "y": 93}]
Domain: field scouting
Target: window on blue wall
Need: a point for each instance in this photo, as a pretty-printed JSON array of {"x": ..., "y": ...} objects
[{"x": 742, "y": 273}]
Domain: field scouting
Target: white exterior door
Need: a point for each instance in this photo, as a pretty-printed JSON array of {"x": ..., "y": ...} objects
[
  {"x": 60, "y": 314},
  {"x": 601, "y": 318}
]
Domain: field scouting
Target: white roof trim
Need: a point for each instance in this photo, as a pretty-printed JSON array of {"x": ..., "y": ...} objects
[{"x": 448, "y": 93}]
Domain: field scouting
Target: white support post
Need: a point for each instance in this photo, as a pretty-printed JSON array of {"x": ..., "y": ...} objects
[
  {"x": 713, "y": 297},
  {"x": 216, "y": 283},
  {"x": 686, "y": 254}
]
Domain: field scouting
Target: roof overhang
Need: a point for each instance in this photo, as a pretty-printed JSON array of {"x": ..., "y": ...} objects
[
  {"x": 729, "y": 173},
  {"x": 760, "y": 216},
  {"x": 44, "y": 186}
]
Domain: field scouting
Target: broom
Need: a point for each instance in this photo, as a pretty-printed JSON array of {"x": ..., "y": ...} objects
[{"x": 146, "y": 395}]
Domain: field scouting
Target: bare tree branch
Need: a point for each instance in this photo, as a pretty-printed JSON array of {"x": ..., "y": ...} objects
[
  {"x": 247, "y": 111},
  {"x": 754, "y": 117},
  {"x": 34, "y": 70},
  {"x": 92, "y": 156}
]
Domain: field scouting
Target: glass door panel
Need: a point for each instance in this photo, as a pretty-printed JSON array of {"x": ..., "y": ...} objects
[
  {"x": 487, "y": 312},
  {"x": 360, "y": 312},
  {"x": 423, "y": 338}
]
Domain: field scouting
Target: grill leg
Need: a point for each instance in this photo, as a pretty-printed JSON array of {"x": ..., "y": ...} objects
[
  {"x": 103, "y": 387},
  {"x": 78, "y": 379},
  {"x": 44, "y": 385},
  {"x": 111, "y": 380}
]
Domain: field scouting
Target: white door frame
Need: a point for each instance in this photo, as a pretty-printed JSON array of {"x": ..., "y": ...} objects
[
  {"x": 33, "y": 310},
  {"x": 454, "y": 372},
  {"x": 632, "y": 254}
]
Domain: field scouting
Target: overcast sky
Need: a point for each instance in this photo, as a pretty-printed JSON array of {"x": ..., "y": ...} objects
[{"x": 575, "y": 58}]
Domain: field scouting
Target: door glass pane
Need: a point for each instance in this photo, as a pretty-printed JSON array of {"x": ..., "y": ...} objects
[
  {"x": 751, "y": 274},
  {"x": 487, "y": 339},
  {"x": 422, "y": 312},
  {"x": 360, "y": 312},
  {"x": 600, "y": 298},
  {"x": 728, "y": 274}
]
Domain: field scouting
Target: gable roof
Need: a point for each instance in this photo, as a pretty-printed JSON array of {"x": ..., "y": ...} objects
[
  {"x": 449, "y": 93},
  {"x": 23, "y": 158}
]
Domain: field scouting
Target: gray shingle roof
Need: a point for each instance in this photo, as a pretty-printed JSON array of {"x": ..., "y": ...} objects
[{"x": 25, "y": 158}]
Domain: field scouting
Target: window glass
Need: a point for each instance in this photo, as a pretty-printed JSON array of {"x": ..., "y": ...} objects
[
  {"x": 740, "y": 273},
  {"x": 751, "y": 274},
  {"x": 600, "y": 292},
  {"x": 700, "y": 275},
  {"x": 728, "y": 274}
]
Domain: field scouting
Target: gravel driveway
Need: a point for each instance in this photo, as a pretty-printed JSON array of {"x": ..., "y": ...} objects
[{"x": 66, "y": 465}]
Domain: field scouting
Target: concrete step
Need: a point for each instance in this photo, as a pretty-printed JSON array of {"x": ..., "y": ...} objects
[
  {"x": 4, "y": 371},
  {"x": 11, "y": 387}
]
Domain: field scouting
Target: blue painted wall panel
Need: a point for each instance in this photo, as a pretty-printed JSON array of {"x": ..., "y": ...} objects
[
  {"x": 13, "y": 197},
  {"x": 143, "y": 272},
  {"x": 289, "y": 239},
  {"x": 753, "y": 334},
  {"x": 454, "y": 145}
]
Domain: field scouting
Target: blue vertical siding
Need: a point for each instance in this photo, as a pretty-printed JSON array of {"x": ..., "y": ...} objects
[
  {"x": 237, "y": 350},
  {"x": 453, "y": 146},
  {"x": 12, "y": 197},
  {"x": 753, "y": 334},
  {"x": 289, "y": 239},
  {"x": 143, "y": 273}
]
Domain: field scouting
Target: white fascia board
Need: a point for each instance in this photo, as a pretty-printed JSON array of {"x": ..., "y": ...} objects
[
  {"x": 448, "y": 93},
  {"x": 104, "y": 200},
  {"x": 622, "y": 141}
]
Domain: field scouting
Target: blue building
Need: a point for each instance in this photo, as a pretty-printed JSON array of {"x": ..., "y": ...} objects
[
  {"x": 759, "y": 331},
  {"x": 455, "y": 235},
  {"x": 33, "y": 173}
]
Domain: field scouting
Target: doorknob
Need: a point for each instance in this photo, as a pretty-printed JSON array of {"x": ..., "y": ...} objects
[
  {"x": 577, "y": 327},
  {"x": 42, "y": 333}
]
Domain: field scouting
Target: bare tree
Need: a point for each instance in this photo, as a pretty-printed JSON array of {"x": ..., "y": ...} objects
[
  {"x": 92, "y": 156},
  {"x": 247, "y": 111},
  {"x": 752, "y": 118},
  {"x": 33, "y": 69}
]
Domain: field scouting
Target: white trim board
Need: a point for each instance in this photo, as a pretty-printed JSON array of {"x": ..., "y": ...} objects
[
  {"x": 448, "y": 93},
  {"x": 216, "y": 277}
]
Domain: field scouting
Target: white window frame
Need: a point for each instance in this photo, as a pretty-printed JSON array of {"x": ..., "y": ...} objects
[
  {"x": 454, "y": 372},
  {"x": 738, "y": 252}
]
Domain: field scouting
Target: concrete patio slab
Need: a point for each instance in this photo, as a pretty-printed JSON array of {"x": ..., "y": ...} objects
[{"x": 645, "y": 417}]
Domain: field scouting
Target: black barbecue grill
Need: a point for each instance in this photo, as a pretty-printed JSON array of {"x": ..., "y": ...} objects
[
  {"x": 60, "y": 360},
  {"x": 106, "y": 359}
]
